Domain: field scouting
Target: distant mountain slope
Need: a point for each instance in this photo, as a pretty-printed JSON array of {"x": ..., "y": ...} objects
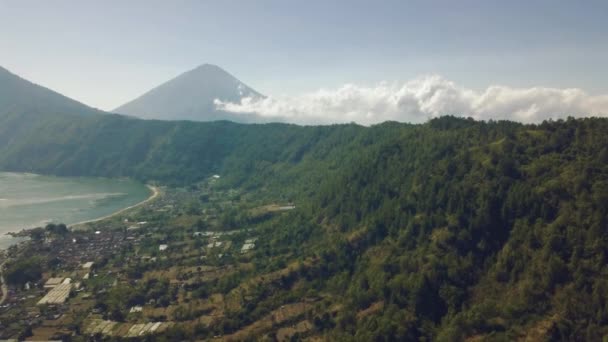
[
  {"x": 20, "y": 95},
  {"x": 191, "y": 95}
]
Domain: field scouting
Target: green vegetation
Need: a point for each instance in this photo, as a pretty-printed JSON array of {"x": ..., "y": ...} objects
[
  {"x": 474, "y": 229},
  {"x": 24, "y": 270},
  {"x": 443, "y": 231}
]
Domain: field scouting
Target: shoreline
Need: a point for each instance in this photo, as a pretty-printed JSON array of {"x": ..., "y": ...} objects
[{"x": 155, "y": 194}]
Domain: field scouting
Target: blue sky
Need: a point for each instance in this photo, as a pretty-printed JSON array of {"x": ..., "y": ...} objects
[{"x": 105, "y": 53}]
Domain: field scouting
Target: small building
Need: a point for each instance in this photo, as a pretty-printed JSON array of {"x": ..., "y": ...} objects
[
  {"x": 136, "y": 308},
  {"x": 58, "y": 295},
  {"x": 52, "y": 282},
  {"x": 88, "y": 265},
  {"x": 163, "y": 247},
  {"x": 214, "y": 244},
  {"x": 248, "y": 245}
]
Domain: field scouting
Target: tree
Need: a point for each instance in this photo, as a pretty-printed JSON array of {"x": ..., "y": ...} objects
[{"x": 24, "y": 270}]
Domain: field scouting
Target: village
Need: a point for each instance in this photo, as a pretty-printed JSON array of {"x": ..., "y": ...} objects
[{"x": 173, "y": 260}]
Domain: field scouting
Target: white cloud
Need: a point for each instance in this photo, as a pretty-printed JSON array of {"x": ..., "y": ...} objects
[{"x": 420, "y": 99}]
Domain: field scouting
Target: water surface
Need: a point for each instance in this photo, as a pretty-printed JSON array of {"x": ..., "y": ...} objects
[{"x": 28, "y": 200}]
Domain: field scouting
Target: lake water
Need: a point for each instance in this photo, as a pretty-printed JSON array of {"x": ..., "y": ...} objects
[{"x": 28, "y": 200}]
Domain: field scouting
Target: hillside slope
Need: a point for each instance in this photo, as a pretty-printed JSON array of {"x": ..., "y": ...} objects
[
  {"x": 449, "y": 230},
  {"x": 473, "y": 230},
  {"x": 459, "y": 228},
  {"x": 18, "y": 94}
]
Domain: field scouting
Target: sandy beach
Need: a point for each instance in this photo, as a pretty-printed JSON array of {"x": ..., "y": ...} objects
[{"x": 155, "y": 194}]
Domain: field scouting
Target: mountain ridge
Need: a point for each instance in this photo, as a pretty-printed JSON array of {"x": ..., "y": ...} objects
[{"x": 18, "y": 93}]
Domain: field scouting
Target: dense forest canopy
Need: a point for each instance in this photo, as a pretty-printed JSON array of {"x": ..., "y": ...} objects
[{"x": 458, "y": 228}]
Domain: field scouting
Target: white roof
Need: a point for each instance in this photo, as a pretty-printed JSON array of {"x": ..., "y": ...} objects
[
  {"x": 136, "y": 309},
  {"x": 53, "y": 281},
  {"x": 58, "y": 295},
  {"x": 247, "y": 247},
  {"x": 214, "y": 244}
]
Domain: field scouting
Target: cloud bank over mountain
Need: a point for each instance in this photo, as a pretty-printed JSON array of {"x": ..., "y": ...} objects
[{"x": 419, "y": 100}]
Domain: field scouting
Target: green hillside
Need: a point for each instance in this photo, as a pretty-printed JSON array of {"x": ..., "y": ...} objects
[
  {"x": 18, "y": 95},
  {"x": 446, "y": 230},
  {"x": 469, "y": 229}
]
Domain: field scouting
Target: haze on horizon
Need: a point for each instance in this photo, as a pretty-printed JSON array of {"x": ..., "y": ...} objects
[{"x": 324, "y": 62}]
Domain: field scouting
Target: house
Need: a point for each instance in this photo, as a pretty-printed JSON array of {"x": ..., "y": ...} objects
[
  {"x": 249, "y": 245},
  {"x": 58, "y": 295},
  {"x": 136, "y": 308},
  {"x": 214, "y": 244}
]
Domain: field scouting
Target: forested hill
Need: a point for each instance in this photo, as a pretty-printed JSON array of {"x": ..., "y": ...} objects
[
  {"x": 464, "y": 229},
  {"x": 171, "y": 152},
  {"x": 446, "y": 230}
]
